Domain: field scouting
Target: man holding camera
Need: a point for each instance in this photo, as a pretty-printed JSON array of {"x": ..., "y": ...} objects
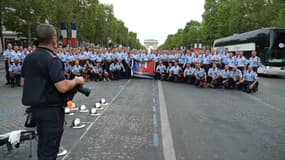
[{"x": 44, "y": 89}]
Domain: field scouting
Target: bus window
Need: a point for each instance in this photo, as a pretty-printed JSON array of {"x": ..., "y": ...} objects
[{"x": 278, "y": 49}]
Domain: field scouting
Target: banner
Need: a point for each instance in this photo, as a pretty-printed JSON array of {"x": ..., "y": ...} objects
[
  {"x": 143, "y": 69},
  {"x": 63, "y": 31},
  {"x": 73, "y": 34}
]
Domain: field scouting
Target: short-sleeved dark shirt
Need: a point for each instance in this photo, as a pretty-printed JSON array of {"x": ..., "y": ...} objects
[{"x": 55, "y": 68}]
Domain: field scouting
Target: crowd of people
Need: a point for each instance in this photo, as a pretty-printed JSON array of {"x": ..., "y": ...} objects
[{"x": 216, "y": 68}]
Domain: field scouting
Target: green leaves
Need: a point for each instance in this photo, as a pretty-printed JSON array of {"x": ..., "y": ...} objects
[
  {"x": 96, "y": 22},
  {"x": 225, "y": 17}
]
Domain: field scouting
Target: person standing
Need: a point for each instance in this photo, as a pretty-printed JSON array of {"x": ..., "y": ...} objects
[
  {"x": 7, "y": 58},
  {"x": 254, "y": 61},
  {"x": 44, "y": 90}
]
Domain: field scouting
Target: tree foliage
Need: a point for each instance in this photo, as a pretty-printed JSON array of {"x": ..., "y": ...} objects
[
  {"x": 96, "y": 22},
  {"x": 225, "y": 17}
]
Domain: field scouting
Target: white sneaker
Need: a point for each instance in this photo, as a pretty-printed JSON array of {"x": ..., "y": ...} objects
[{"x": 61, "y": 151}]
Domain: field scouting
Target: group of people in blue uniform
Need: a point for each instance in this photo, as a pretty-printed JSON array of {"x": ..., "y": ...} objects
[
  {"x": 216, "y": 68},
  {"x": 212, "y": 69}
]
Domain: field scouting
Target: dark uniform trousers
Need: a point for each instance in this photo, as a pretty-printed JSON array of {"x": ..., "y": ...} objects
[
  {"x": 190, "y": 79},
  {"x": 50, "y": 123},
  {"x": 159, "y": 76},
  {"x": 245, "y": 86}
]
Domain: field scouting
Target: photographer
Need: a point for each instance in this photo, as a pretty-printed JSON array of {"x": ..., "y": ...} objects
[{"x": 44, "y": 89}]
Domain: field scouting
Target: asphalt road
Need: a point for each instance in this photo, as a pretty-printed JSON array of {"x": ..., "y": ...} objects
[{"x": 151, "y": 120}]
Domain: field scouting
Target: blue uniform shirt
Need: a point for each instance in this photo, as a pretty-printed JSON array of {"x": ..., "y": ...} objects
[
  {"x": 231, "y": 62},
  {"x": 76, "y": 69},
  {"x": 67, "y": 68},
  {"x": 254, "y": 61},
  {"x": 119, "y": 66},
  {"x": 92, "y": 57},
  {"x": 97, "y": 69},
  {"x": 99, "y": 58},
  {"x": 197, "y": 59},
  {"x": 225, "y": 57},
  {"x": 200, "y": 73},
  {"x": 216, "y": 58},
  {"x": 214, "y": 72},
  {"x": 250, "y": 76},
  {"x": 189, "y": 71},
  {"x": 160, "y": 68},
  {"x": 236, "y": 74},
  {"x": 189, "y": 59},
  {"x": 225, "y": 74},
  {"x": 206, "y": 59},
  {"x": 7, "y": 53},
  {"x": 241, "y": 61},
  {"x": 175, "y": 70},
  {"x": 15, "y": 68}
]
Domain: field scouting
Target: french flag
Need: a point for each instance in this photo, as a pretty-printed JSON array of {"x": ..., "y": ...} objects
[
  {"x": 63, "y": 31},
  {"x": 73, "y": 34},
  {"x": 143, "y": 69}
]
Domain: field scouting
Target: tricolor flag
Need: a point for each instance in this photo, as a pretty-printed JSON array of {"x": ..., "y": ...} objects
[
  {"x": 63, "y": 31},
  {"x": 143, "y": 69},
  {"x": 73, "y": 34}
]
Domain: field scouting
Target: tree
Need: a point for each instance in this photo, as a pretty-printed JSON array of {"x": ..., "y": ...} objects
[
  {"x": 225, "y": 17},
  {"x": 96, "y": 22}
]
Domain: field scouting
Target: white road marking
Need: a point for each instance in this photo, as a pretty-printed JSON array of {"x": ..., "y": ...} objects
[
  {"x": 167, "y": 142},
  {"x": 101, "y": 113}
]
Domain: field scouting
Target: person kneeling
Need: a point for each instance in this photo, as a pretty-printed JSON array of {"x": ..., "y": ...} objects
[
  {"x": 189, "y": 74},
  {"x": 160, "y": 71},
  {"x": 174, "y": 72},
  {"x": 97, "y": 72},
  {"x": 15, "y": 73},
  {"x": 250, "y": 81},
  {"x": 200, "y": 76},
  {"x": 213, "y": 76},
  {"x": 235, "y": 77},
  {"x": 224, "y": 77}
]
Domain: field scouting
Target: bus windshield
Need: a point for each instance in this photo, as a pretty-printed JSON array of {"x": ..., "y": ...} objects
[{"x": 278, "y": 49}]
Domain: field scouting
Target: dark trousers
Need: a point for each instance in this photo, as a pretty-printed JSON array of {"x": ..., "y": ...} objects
[
  {"x": 232, "y": 83},
  {"x": 245, "y": 86},
  {"x": 190, "y": 79},
  {"x": 49, "y": 123},
  {"x": 206, "y": 67},
  {"x": 159, "y": 76},
  {"x": 173, "y": 78},
  {"x": 217, "y": 82},
  {"x": 7, "y": 71},
  {"x": 116, "y": 75},
  {"x": 14, "y": 79},
  {"x": 199, "y": 82},
  {"x": 96, "y": 76}
]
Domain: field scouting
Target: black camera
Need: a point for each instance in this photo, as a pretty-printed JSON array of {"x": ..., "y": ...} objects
[{"x": 85, "y": 91}]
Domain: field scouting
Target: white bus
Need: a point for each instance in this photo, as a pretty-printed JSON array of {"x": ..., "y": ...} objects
[{"x": 269, "y": 44}]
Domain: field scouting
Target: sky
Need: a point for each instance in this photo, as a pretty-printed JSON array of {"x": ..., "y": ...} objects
[{"x": 156, "y": 19}]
